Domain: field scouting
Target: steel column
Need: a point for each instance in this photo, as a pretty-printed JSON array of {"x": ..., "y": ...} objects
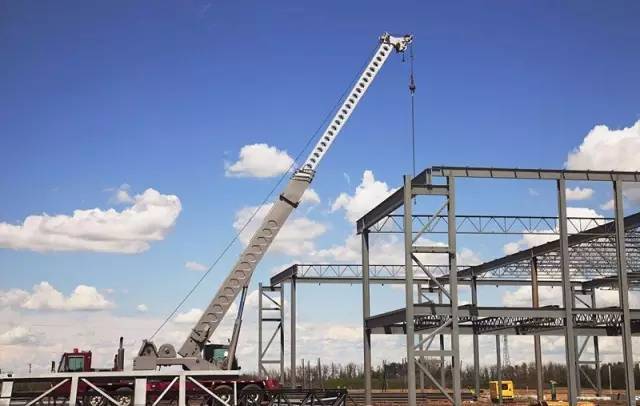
[
  {"x": 443, "y": 371},
  {"x": 260, "y": 293},
  {"x": 476, "y": 345},
  {"x": 570, "y": 348},
  {"x": 366, "y": 312},
  {"x": 282, "y": 333},
  {"x": 535, "y": 302},
  {"x": 498, "y": 369},
  {"x": 293, "y": 332},
  {"x": 623, "y": 291},
  {"x": 422, "y": 347},
  {"x": 453, "y": 291},
  {"x": 577, "y": 348},
  {"x": 596, "y": 351},
  {"x": 409, "y": 300}
]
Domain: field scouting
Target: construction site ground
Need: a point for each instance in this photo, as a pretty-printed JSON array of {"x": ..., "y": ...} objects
[{"x": 523, "y": 397}]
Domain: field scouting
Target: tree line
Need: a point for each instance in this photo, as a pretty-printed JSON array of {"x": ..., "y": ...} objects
[{"x": 392, "y": 375}]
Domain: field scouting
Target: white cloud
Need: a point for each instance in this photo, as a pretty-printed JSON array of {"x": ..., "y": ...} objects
[
  {"x": 259, "y": 161},
  {"x": 609, "y": 149},
  {"x": 521, "y": 297},
  {"x": 46, "y": 297},
  {"x": 533, "y": 240},
  {"x": 552, "y": 295},
  {"x": 388, "y": 250},
  {"x": 609, "y": 205},
  {"x": 533, "y": 192},
  {"x": 310, "y": 196},
  {"x": 142, "y": 308},
  {"x": 367, "y": 195},
  {"x": 17, "y": 335},
  {"x": 189, "y": 317},
  {"x": 579, "y": 193},
  {"x": 129, "y": 231},
  {"x": 296, "y": 237},
  {"x": 121, "y": 195},
  {"x": 195, "y": 266}
]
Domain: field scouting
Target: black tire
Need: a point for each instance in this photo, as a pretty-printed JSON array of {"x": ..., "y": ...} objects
[
  {"x": 124, "y": 396},
  {"x": 224, "y": 392},
  {"x": 251, "y": 395},
  {"x": 93, "y": 398}
]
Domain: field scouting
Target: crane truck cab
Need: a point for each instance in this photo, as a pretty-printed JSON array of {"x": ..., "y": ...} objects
[
  {"x": 218, "y": 354},
  {"x": 76, "y": 361}
]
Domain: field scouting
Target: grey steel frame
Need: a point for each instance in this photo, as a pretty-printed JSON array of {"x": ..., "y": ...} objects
[
  {"x": 273, "y": 314},
  {"x": 405, "y": 322}
]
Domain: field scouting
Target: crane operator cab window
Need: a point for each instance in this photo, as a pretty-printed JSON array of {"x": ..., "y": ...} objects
[{"x": 71, "y": 364}]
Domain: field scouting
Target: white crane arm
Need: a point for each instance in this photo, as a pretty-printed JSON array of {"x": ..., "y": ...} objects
[{"x": 191, "y": 351}]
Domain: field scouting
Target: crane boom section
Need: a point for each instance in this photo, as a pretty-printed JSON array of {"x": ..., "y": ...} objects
[
  {"x": 388, "y": 44},
  {"x": 289, "y": 199}
]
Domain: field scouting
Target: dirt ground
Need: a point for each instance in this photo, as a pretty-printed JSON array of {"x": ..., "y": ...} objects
[{"x": 523, "y": 397}]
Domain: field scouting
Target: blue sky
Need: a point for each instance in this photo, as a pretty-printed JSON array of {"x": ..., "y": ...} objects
[{"x": 164, "y": 95}]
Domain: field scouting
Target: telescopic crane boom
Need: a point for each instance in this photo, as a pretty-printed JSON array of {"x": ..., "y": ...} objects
[{"x": 191, "y": 351}]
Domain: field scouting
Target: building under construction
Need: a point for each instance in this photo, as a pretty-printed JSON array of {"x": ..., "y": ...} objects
[{"x": 583, "y": 254}]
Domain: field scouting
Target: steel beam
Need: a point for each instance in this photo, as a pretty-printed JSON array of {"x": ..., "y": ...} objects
[
  {"x": 632, "y": 221},
  {"x": 535, "y": 299},
  {"x": 453, "y": 289},
  {"x": 366, "y": 312},
  {"x": 293, "y": 362},
  {"x": 476, "y": 344},
  {"x": 408, "y": 263},
  {"x": 540, "y": 174},
  {"x": 499, "y": 369},
  {"x": 563, "y": 241},
  {"x": 621, "y": 263}
]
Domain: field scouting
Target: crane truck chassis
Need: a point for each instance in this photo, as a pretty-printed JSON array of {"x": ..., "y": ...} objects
[{"x": 205, "y": 374}]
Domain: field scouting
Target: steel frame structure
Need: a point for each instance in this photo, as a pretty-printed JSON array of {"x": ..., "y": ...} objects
[
  {"x": 270, "y": 311},
  {"x": 598, "y": 255}
]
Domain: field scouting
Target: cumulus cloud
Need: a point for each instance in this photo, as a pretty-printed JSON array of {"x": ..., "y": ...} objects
[
  {"x": 310, "y": 196},
  {"x": 46, "y": 297},
  {"x": 129, "y": 231},
  {"x": 367, "y": 195},
  {"x": 579, "y": 193},
  {"x": 521, "y": 297},
  {"x": 189, "y": 317},
  {"x": 195, "y": 266},
  {"x": 259, "y": 161},
  {"x": 121, "y": 194},
  {"x": 142, "y": 308},
  {"x": 388, "y": 250},
  {"x": 609, "y": 149},
  {"x": 533, "y": 240},
  {"x": 608, "y": 205},
  {"x": 296, "y": 237},
  {"x": 17, "y": 335},
  {"x": 552, "y": 295}
]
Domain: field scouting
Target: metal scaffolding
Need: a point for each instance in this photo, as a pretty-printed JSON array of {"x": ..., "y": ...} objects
[{"x": 588, "y": 253}]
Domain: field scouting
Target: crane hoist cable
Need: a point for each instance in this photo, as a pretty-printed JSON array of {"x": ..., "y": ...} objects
[
  {"x": 265, "y": 201},
  {"x": 412, "y": 92}
]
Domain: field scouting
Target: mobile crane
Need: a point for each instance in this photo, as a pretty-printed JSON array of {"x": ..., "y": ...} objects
[{"x": 195, "y": 353}]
